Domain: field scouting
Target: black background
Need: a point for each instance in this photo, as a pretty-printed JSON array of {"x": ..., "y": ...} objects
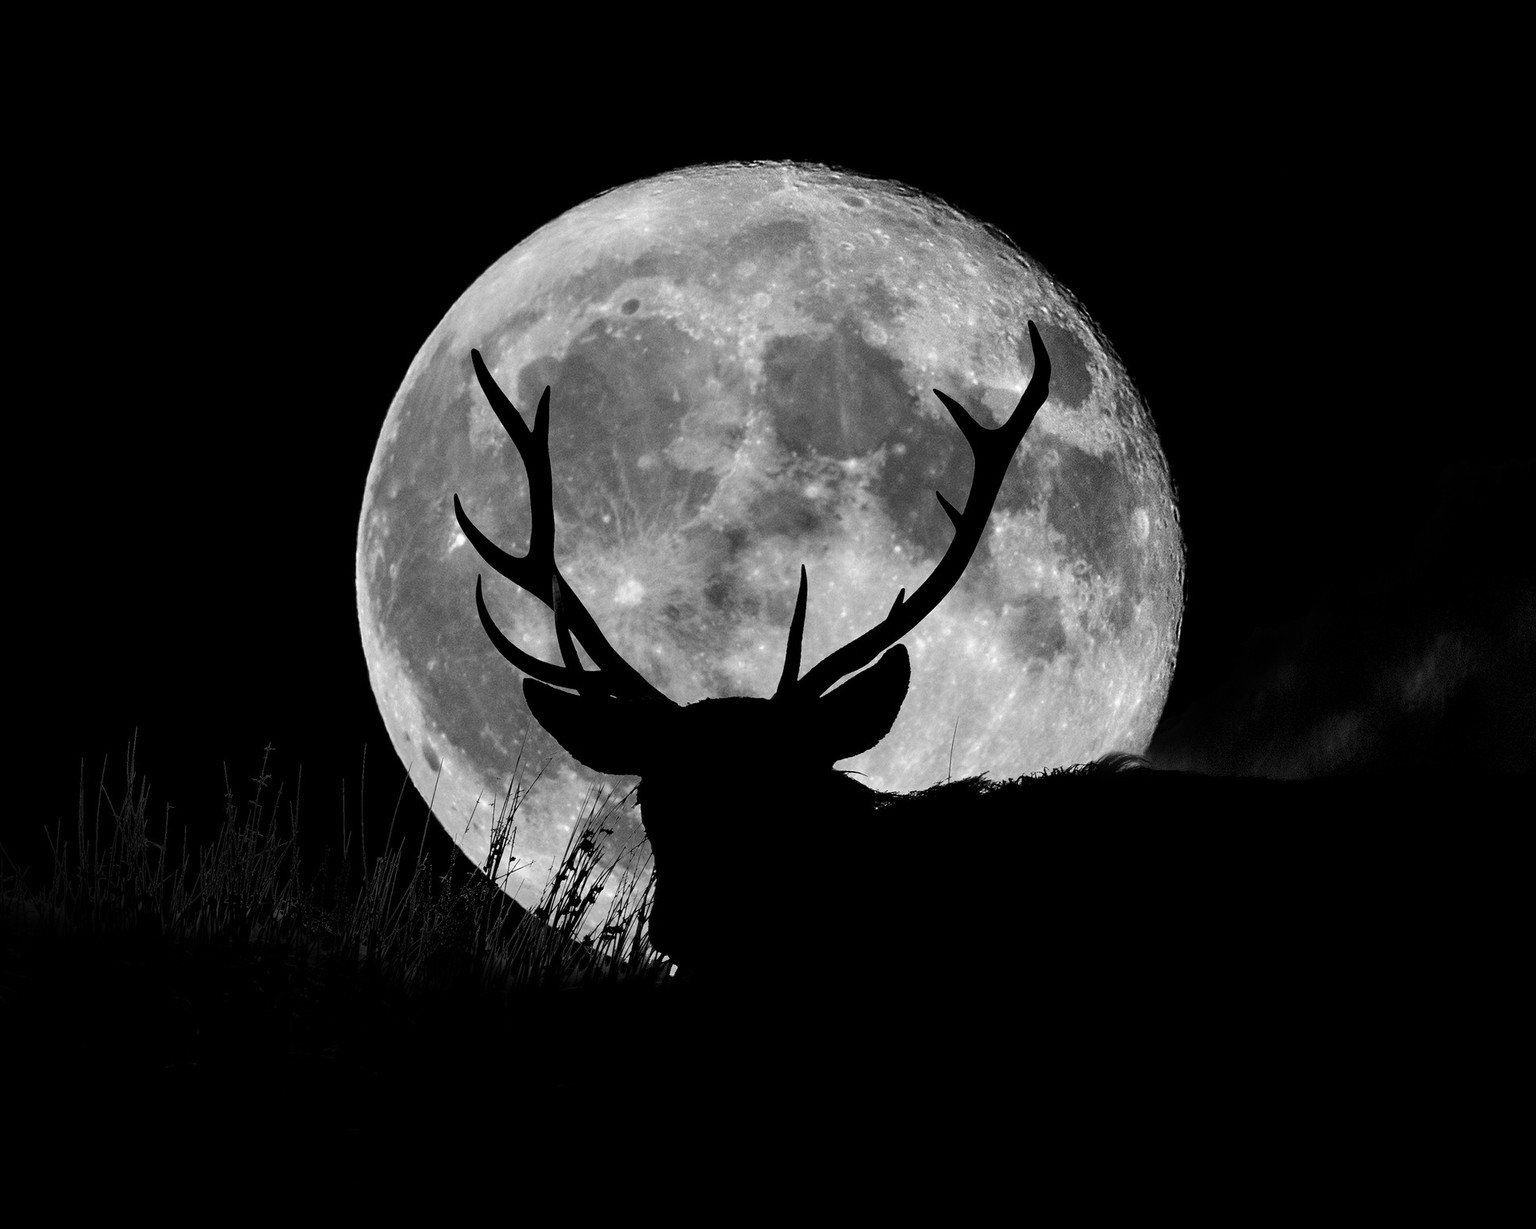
[{"x": 1293, "y": 260}]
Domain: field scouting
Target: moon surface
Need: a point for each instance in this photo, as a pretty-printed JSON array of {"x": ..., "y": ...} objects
[{"x": 741, "y": 359}]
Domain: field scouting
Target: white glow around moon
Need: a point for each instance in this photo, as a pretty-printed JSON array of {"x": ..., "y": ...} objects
[{"x": 741, "y": 360}]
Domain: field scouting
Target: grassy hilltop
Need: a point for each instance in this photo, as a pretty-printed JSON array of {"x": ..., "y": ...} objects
[{"x": 1124, "y": 938}]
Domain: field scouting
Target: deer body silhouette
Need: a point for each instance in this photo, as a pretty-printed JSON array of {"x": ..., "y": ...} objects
[{"x": 721, "y": 775}]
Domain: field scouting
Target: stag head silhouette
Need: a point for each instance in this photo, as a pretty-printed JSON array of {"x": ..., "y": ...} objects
[{"x": 718, "y": 776}]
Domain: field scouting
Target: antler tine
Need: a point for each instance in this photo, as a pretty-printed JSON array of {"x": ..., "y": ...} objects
[
  {"x": 993, "y": 449},
  {"x": 536, "y": 573},
  {"x": 558, "y": 676},
  {"x": 791, "y": 674}
]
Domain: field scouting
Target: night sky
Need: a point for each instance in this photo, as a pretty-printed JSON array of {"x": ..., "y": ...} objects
[{"x": 1293, "y": 278}]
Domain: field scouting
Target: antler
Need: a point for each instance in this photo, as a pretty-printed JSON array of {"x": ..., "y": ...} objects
[
  {"x": 993, "y": 448},
  {"x": 537, "y": 574}
]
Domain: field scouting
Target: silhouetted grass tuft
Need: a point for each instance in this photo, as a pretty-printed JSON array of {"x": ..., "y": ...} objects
[
  {"x": 141, "y": 958},
  {"x": 249, "y": 887}
]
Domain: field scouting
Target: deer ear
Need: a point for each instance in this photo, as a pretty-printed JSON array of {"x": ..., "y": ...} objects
[
  {"x": 607, "y": 735},
  {"x": 861, "y": 712}
]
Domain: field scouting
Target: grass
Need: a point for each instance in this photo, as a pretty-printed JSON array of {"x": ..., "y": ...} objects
[
  {"x": 1103, "y": 939},
  {"x": 250, "y": 888},
  {"x": 143, "y": 962}
]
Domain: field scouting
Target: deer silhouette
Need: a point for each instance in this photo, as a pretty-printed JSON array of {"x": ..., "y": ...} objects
[{"x": 728, "y": 783}]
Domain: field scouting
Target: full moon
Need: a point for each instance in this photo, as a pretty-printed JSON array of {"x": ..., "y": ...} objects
[{"x": 742, "y": 358}]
